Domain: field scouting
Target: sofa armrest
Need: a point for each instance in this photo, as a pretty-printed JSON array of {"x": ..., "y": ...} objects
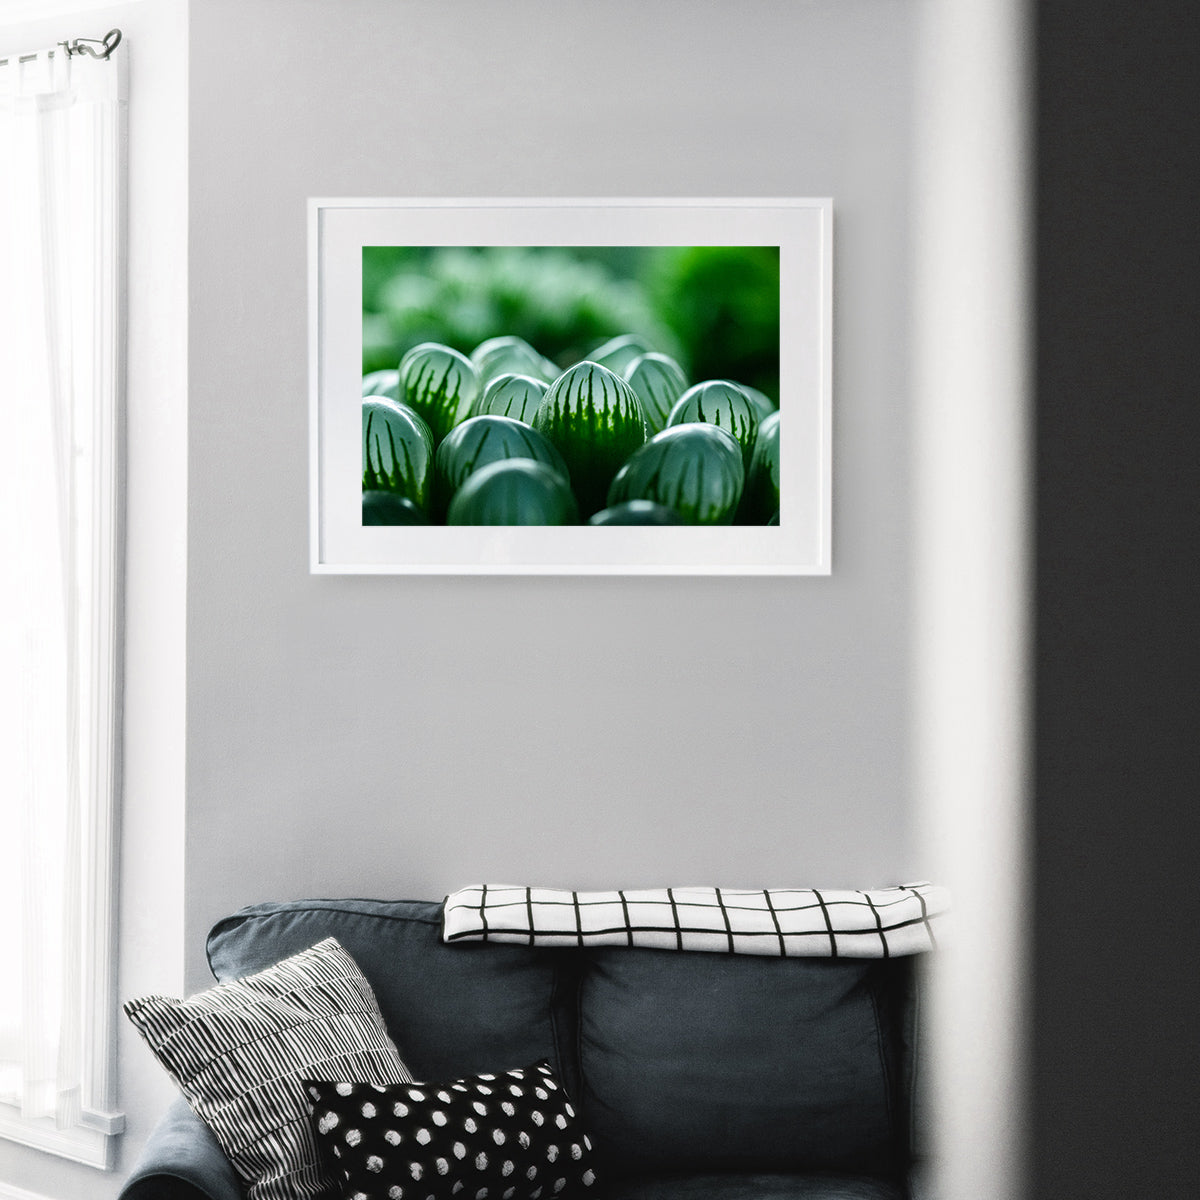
[
  {"x": 182, "y": 1161},
  {"x": 920, "y": 1182}
]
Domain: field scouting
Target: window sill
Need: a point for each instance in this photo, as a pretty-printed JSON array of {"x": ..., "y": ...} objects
[{"x": 91, "y": 1142}]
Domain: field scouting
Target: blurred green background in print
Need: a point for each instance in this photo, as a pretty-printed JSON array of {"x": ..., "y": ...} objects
[{"x": 715, "y": 309}]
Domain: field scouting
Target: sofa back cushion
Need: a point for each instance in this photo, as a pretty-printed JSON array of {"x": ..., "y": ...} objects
[
  {"x": 452, "y": 1011},
  {"x": 696, "y": 1061}
]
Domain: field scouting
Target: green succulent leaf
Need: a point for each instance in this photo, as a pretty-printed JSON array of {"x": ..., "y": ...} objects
[
  {"x": 761, "y": 496},
  {"x": 659, "y": 381},
  {"x": 516, "y": 396},
  {"x": 618, "y": 352},
  {"x": 761, "y": 401},
  {"x": 382, "y": 383},
  {"x": 723, "y": 404},
  {"x": 397, "y": 450},
  {"x": 517, "y": 491},
  {"x": 695, "y": 468},
  {"x": 387, "y": 508},
  {"x": 416, "y": 352},
  {"x": 509, "y": 356},
  {"x": 595, "y": 420},
  {"x": 636, "y": 512},
  {"x": 482, "y": 440},
  {"x": 440, "y": 385}
]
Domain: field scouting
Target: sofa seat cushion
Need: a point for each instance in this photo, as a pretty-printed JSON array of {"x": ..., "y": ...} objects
[
  {"x": 697, "y": 1062},
  {"x": 729, "y": 1186},
  {"x": 451, "y": 1010}
]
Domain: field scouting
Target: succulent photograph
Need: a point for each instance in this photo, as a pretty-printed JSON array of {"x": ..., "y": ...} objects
[{"x": 570, "y": 385}]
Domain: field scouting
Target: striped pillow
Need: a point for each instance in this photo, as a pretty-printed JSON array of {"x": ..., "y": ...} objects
[{"x": 240, "y": 1050}]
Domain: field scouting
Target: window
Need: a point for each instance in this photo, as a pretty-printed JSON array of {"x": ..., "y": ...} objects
[{"x": 61, "y": 139}]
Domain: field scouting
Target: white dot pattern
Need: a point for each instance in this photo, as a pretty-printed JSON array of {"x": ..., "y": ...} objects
[{"x": 440, "y": 1141}]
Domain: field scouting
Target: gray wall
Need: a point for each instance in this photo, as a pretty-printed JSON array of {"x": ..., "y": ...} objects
[{"x": 404, "y": 736}]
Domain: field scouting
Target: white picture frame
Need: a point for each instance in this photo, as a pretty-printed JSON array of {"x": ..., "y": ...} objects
[{"x": 339, "y": 228}]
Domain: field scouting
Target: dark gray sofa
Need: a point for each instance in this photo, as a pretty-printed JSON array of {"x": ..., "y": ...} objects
[{"x": 698, "y": 1076}]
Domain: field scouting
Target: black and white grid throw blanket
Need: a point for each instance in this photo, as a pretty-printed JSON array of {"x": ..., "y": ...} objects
[{"x": 791, "y": 922}]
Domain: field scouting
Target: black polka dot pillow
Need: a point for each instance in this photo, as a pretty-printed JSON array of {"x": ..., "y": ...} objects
[{"x": 507, "y": 1136}]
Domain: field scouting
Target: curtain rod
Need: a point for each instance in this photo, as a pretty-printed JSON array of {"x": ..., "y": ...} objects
[{"x": 96, "y": 47}]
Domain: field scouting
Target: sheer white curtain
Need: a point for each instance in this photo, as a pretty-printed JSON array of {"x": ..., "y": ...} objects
[{"x": 59, "y": 376}]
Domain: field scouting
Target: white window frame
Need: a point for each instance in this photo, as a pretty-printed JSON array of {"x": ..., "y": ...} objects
[{"x": 92, "y": 1140}]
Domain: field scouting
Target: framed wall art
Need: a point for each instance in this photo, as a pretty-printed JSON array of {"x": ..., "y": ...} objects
[{"x": 560, "y": 386}]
